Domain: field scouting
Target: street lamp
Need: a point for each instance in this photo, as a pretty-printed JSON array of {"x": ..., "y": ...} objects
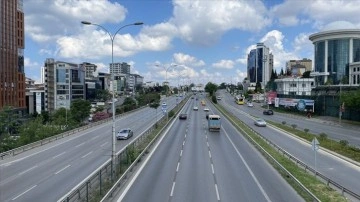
[{"x": 112, "y": 37}]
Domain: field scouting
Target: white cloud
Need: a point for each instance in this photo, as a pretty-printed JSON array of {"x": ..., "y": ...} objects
[
  {"x": 185, "y": 59},
  {"x": 30, "y": 64},
  {"x": 59, "y": 17},
  {"x": 318, "y": 12},
  {"x": 204, "y": 22},
  {"x": 224, "y": 64}
]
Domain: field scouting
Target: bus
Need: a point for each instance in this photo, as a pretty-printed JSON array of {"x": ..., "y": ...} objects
[{"x": 239, "y": 100}]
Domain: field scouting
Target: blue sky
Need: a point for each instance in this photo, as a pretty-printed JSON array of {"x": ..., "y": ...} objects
[{"x": 208, "y": 39}]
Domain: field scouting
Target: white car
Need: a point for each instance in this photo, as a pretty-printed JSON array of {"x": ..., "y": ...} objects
[
  {"x": 260, "y": 122},
  {"x": 124, "y": 134},
  {"x": 250, "y": 104},
  {"x": 206, "y": 109},
  {"x": 195, "y": 108}
]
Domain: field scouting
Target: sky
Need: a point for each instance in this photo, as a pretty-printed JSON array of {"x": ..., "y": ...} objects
[{"x": 181, "y": 41}]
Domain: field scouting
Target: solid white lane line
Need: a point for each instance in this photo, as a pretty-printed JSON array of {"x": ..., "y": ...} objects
[
  {"x": 58, "y": 155},
  {"x": 209, "y": 154},
  {"x": 25, "y": 171},
  {"x": 217, "y": 192},
  {"x": 87, "y": 154},
  {"x": 62, "y": 169},
  {"x": 24, "y": 192},
  {"x": 248, "y": 168},
  {"x": 103, "y": 144},
  {"x": 177, "y": 167},
  {"x": 212, "y": 169},
  {"x": 80, "y": 144},
  {"x": 172, "y": 189}
]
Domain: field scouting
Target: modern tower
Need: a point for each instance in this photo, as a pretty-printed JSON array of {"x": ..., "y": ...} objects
[{"x": 12, "y": 76}]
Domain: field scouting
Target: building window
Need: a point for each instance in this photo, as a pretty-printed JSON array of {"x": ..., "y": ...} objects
[{"x": 304, "y": 85}]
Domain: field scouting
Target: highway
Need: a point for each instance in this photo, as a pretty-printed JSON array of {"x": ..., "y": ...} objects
[
  {"x": 48, "y": 172},
  {"x": 333, "y": 167},
  {"x": 336, "y": 132},
  {"x": 192, "y": 164}
]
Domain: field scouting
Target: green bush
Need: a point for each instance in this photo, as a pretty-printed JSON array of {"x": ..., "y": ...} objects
[
  {"x": 323, "y": 136},
  {"x": 283, "y": 122},
  {"x": 214, "y": 100},
  {"x": 306, "y": 130},
  {"x": 171, "y": 113},
  {"x": 344, "y": 143},
  {"x": 293, "y": 126}
]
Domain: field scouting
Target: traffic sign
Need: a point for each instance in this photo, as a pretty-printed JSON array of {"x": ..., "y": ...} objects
[{"x": 315, "y": 144}]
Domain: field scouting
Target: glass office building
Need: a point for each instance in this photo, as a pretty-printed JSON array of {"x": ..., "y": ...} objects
[{"x": 335, "y": 50}]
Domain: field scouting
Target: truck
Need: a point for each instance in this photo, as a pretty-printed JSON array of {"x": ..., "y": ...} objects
[{"x": 214, "y": 122}]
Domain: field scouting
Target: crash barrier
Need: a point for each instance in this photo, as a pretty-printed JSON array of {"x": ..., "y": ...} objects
[
  {"x": 328, "y": 181},
  {"x": 39, "y": 143},
  {"x": 105, "y": 181}
]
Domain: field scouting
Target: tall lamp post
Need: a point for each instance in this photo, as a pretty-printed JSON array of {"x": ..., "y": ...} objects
[{"x": 112, "y": 37}]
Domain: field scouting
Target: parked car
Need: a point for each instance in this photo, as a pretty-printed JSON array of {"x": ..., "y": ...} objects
[
  {"x": 195, "y": 108},
  {"x": 124, "y": 134},
  {"x": 268, "y": 112},
  {"x": 183, "y": 116},
  {"x": 260, "y": 122}
]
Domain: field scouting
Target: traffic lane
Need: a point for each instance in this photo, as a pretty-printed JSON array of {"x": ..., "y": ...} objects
[
  {"x": 88, "y": 137},
  {"x": 243, "y": 172},
  {"x": 351, "y": 134},
  {"x": 194, "y": 180},
  {"x": 331, "y": 166},
  {"x": 156, "y": 179},
  {"x": 71, "y": 154}
]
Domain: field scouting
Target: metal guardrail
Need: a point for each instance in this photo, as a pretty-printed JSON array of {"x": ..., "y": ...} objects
[
  {"x": 97, "y": 183},
  {"x": 39, "y": 143},
  {"x": 316, "y": 173},
  {"x": 299, "y": 184}
]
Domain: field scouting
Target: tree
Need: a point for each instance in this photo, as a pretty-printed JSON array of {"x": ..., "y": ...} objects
[
  {"x": 306, "y": 74},
  {"x": 211, "y": 88},
  {"x": 8, "y": 120},
  {"x": 282, "y": 72},
  {"x": 351, "y": 99},
  {"x": 222, "y": 86},
  {"x": 80, "y": 110},
  {"x": 258, "y": 87},
  {"x": 102, "y": 95}
]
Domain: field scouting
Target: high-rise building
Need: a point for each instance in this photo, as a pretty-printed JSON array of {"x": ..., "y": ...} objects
[
  {"x": 298, "y": 67},
  {"x": 260, "y": 64},
  {"x": 64, "y": 82},
  {"x": 90, "y": 69},
  {"x": 335, "y": 51},
  {"x": 119, "y": 68},
  {"x": 12, "y": 76}
]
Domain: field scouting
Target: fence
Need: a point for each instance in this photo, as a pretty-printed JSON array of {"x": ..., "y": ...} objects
[
  {"x": 111, "y": 175},
  {"x": 298, "y": 162},
  {"x": 39, "y": 143}
]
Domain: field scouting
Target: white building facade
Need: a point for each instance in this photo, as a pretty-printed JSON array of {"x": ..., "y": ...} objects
[{"x": 295, "y": 86}]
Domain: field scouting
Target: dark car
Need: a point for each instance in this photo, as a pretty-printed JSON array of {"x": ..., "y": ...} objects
[
  {"x": 268, "y": 112},
  {"x": 183, "y": 116}
]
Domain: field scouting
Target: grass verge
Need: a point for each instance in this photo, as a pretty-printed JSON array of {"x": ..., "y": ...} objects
[{"x": 314, "y": 185}]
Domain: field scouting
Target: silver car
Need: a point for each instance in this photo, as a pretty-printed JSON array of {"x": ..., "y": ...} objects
[
  {"x": 124, "y": 134},
  {"x": 260, "y": 122}
]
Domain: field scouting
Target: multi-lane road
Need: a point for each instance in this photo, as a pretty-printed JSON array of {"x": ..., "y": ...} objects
[
  {"x": 192, "y": 164},
  {"x": 47, "y": 173},
  {"x": 189, "y": 164}
]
